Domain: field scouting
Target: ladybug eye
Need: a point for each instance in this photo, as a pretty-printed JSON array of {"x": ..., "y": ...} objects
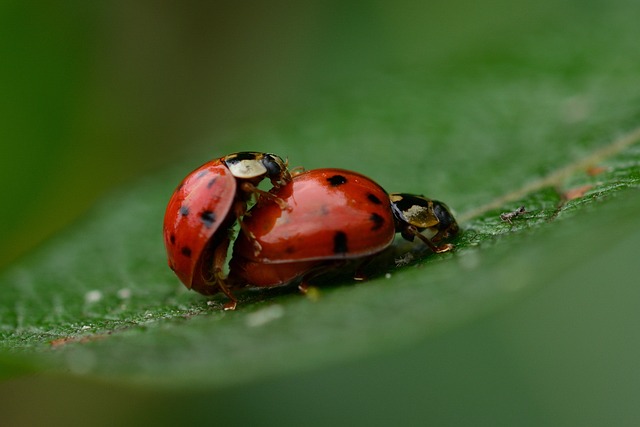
[
  {"x": 442, "y": 213},
  {"x": 273, "y": 164},
  {"x": 447, "y": 224}
]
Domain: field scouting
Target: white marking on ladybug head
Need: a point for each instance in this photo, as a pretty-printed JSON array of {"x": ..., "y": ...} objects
[
  {"x": 416, "y": 214},
  {"x": 420, "y": 216},
  {"x": 247, "y": 169}
]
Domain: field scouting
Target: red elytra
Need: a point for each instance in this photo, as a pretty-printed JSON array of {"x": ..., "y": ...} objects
[
  {"x": 204, "y": 207},
  {"x": 332, "y": 212},
  {"x": 200, "y": 206},
  {"x": 333, "y": 215}
]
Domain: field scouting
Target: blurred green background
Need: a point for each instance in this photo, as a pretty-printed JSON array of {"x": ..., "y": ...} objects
[
  {"x": 94, "y": 94},
  {"x": 464, "y": 100}
]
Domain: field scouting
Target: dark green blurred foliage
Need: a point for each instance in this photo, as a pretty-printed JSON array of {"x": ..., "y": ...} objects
[
  {"x": 530, "y": 323},
  {"x": 97, "y": 93}
]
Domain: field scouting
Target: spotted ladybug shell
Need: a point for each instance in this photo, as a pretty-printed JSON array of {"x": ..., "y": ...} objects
[
  {"x": 200, "y": 207},
  {"x": 333, "y": 214}
]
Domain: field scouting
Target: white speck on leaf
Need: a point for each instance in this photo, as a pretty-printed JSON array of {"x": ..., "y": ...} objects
[
  {"x": 92, "y": 297},
  {"x": 264, "y": 316},
  {"x": 124, "y": 293}
]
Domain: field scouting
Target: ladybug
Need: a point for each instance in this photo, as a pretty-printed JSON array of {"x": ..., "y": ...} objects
[
  {"x": 334, "y": 216},
  {"x": 204, "y": 208}
]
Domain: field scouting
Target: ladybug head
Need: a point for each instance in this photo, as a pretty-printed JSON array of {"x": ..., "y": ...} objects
[
  {"x": 447, "y": 225},
  {"x": 253, "y": 166},
  {"x": 276, "y": 169},
  {"x": 414, "y": 214}
]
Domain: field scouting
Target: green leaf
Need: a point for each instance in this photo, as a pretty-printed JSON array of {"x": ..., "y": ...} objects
[
  {"x": 525, "y": 322},
  {"x": 100, "y": 300}
]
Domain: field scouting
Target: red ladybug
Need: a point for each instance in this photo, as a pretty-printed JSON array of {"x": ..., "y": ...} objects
[
  {"x": 333, "y": 215},
  {"x": 203, "y": 209}
]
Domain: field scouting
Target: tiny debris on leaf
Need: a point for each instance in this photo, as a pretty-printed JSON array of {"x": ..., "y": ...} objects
[
  {"x": 264, "y": 316},
  {"x": 92, "y": 296},
  {"x": 595, "y": 170},
  {"x": 124, "y": 293},
  {"x": 60, "y": 342},
  {"x": 404, "y": 259},
  {"x": 509, "y": 216},
  {"x": 577, "y": 192}
]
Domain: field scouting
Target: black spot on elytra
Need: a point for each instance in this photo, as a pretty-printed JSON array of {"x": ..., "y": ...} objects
[
  {"x": 208, "y": 218},
  {"x": 211, "y": 182},
  {"x": 184, "y": 210},
  {"x": 172, "y": 239},
  {"x": 289, "y": 249},
  {"x": 186, "y": 251},
  {"x": 373, "y": 199},
  {"x": 336, "y": 180},
  {"x": 340, "y": 243},
  {"x": 377, "y": 220}
]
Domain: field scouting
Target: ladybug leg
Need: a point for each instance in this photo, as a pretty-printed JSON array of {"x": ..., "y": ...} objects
[
  {"x": 249, "y": 188},
  {"x": 240, "y": 210},
  {"x": 281, "y": 203},
  {"x": 310, "y": 291},
  {"x": 411, "y": 231},
  {"x": 219, "y": 257},
  {"x": 359, "y": 274},
  {"x": 297, "y": 170},
  {"x": 232, "y": 303},
  {"x": 305, "y": 287},
  {"x": 257, "y": 247}
]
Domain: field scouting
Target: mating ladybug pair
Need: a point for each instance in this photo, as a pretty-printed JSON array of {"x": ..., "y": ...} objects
[{"x": 305, "y": 225}]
